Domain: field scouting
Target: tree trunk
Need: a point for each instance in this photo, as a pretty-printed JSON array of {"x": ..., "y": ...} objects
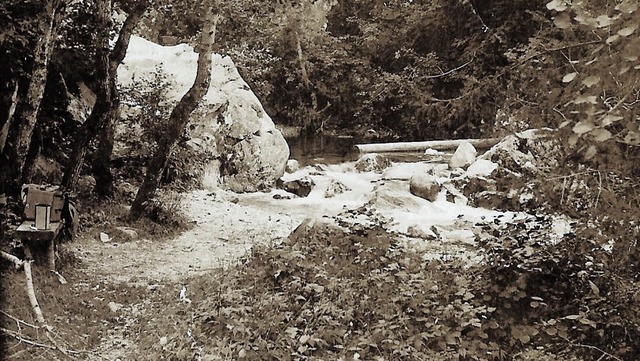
[
  {"x": 28, "y": 114},
  {"x": 32, "y": 155},
  {"x": 179, "y": 118},
  {"x": 303, "y": 66},
  {"x": 10, "y": 106},
  {"x": 101, "y": 166},
  {"x": 98, "y": 117}
]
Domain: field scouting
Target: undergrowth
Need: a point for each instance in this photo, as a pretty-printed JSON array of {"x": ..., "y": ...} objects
[
  {"x": 328, "y": 294},
  {"x": 163, "y": 217}
]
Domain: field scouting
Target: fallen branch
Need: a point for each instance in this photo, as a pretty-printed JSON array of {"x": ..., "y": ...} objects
[
  {"x": 29, "y": 278},
  {"x": 15, "y": 260},
  {"x": 449, "y": 71},
  {"x": 604, "y": 353},
  {"x": 34, "y": 305},
  {"x": 32, "y": 295},
  {"x": 20, "y": 338},
  {"x": 19, "y": 321}
]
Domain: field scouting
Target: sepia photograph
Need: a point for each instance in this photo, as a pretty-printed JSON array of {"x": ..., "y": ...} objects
[{"x": 320, "y": 180}]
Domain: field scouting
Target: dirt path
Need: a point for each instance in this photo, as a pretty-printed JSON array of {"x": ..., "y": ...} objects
[{"x": 225, "y": 231}]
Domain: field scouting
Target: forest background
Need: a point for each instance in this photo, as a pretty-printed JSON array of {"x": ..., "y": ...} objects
[{"x": 408, "y": 70}]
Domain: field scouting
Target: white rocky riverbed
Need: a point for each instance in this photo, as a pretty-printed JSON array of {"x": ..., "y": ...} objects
[{"x": 227, "y": 224}]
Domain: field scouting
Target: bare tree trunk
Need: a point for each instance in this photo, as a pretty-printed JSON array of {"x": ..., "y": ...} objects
[
  {"x": 7, "y": 117},
  {"x": 303, "y": 66},
  {"x": 28, "y": 114},
  {"x": 32, "y": 155},
  {"x": 98, "y": 117},
  {"x": 101, "y": 166},
  {"x": 179, "y": 118}
]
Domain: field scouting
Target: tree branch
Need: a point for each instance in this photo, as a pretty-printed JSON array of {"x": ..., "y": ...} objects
[
  {"x": 449, "y": 71},
  {"x": 19, "y": 337},
  {"x": 555, "y": 49},
  {"x": 604, "y": 353},
  {"x": 32, "y": 295},
  {"x": 15, "y": 260},
  {"x": 19, "y": 321}
]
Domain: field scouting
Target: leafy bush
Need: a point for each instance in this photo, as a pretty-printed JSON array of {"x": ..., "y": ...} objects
[
  {"x": 148, "y": 116},
  {"x": 327, "y": 294}
]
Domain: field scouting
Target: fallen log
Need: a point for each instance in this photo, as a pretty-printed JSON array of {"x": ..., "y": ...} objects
[{"x": 422, "y": 146}]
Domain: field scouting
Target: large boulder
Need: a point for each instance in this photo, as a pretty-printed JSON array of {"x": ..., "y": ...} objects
[
  {"x": 526, "y": 151},
  {"x": 301, "y": 186},
  {"x": 424, "y": 185},
  {"x": 465, "y": 155},
  {"x": 372, "y": 162},
  {"x": 230, "y": 123}
]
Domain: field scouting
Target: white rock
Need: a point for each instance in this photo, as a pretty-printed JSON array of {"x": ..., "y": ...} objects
[
  {"x": 425, "y": 186},
  {"x": 481, "y": 168},
  {"x": 292, "y": 166},
  {"x": 465, "y": 155},
  {"x": 104, "y": 238},
  {"x": 301, "y": 186},
  {"x": 372, "y": 162},
  {"x": 230, "y": 121},
  {"x": 114, "y": 306}
]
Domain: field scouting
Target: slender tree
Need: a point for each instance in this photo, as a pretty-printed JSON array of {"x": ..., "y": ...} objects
[
  {"x": 97, "y": 119},
  {"x": 179, "y": 117},
  {"x": 6, "y": 115},
  {"x": 101, "y": 165},
  {"x": 27, "y": 112}
]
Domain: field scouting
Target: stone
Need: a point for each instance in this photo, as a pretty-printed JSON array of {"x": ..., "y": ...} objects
[
  {"x": 372, "y": 162},
  {"x": 301, "y": 186},
  {"x": 292, "y": 166},
  {"x": 114, "y": 306},
  {"x": 416, "y": 231},
  {"x": 127, "y": 233},
  {"x": 104, "y": 238},
  {"x": 283, "y": 196},
  {"x": 526, "y": 151},
  {"x": 248, "y": 153},
  {"x": 464, "y": 155},
  {"x": 481, "y": 168},
  {"x": 477, "y": 185},
  {"x": 334, "y": 188},
  {"x": 425, "y": 186}
]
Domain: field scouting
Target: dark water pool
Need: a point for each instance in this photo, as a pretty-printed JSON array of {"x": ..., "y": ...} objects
[
  {"x": 333, "y": 149},
  {"x": 322, "y": 148}
]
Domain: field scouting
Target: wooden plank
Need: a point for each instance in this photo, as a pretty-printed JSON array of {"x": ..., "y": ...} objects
[
  {"x": 27, "y": 231},
  {"x": 422, "y": 146}
]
